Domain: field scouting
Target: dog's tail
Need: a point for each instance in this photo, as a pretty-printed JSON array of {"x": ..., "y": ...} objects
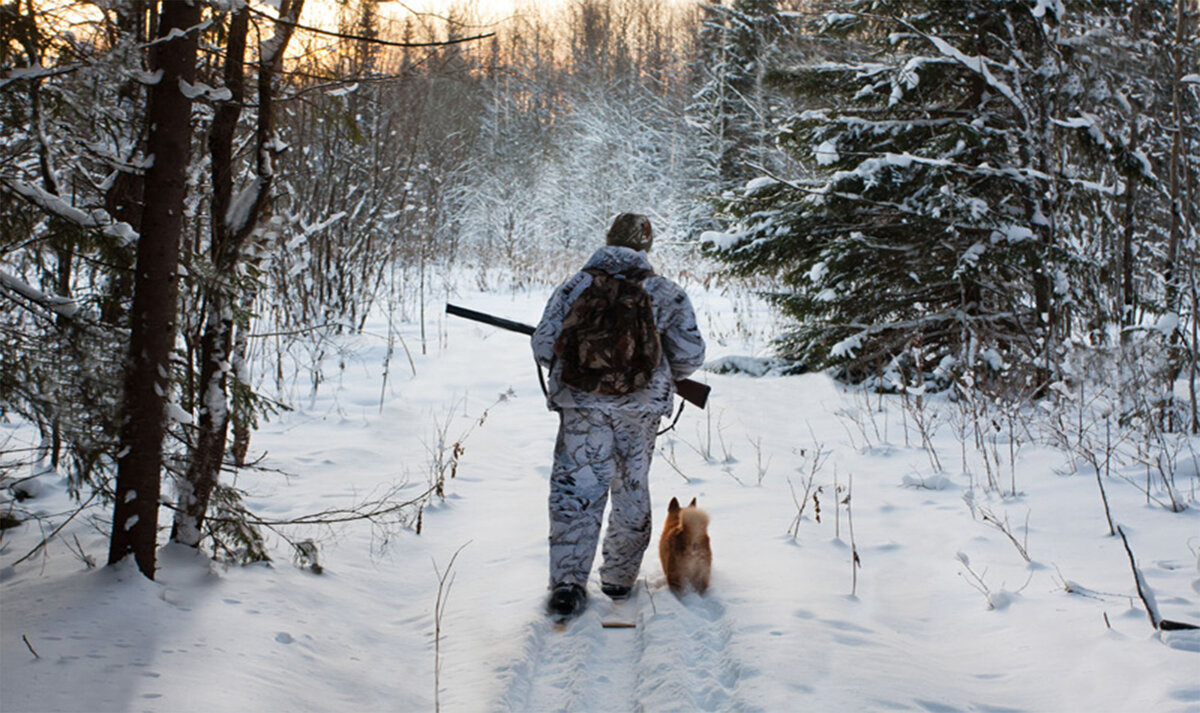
[{"x": 693, "y": 520}]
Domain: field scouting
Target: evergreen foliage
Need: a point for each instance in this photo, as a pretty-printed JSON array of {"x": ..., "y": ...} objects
[
  {"x": 959, "y": 155},
  {"x": 734, "y": 46},
  {"x": 67, "y": 255}
]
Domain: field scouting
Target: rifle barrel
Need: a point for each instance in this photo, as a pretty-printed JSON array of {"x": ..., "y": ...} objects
[
  {"x": 692, "y": 391},
  {"x": 490, "y": 319}
]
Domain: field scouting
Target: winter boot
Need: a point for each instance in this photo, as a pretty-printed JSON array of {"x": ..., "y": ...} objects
[
  {"x": 616, "y": 592},
  {"x": 567, "y": 601}
]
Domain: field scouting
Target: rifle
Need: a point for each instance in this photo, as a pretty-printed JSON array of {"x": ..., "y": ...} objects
[{"x": 691, "y": 391}]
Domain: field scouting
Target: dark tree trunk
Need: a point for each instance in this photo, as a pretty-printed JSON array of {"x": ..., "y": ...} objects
[
  {"x": 209, "y": 450},
  {"x": 1128, "y": 295},
  {"x": 231, "y": 230},
  {"x": 240, "y": 418},
  {"x": 1175, "y": 166},
  {"x": 153, "y": 317}
]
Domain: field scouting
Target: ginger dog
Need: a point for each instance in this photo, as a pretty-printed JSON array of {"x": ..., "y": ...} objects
[{"x": 684, "y": 549}]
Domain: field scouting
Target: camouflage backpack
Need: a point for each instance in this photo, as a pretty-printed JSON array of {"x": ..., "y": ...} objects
[{"x": 608, "y": 343}]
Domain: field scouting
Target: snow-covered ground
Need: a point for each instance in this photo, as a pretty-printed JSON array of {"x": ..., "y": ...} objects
[{"x": 945, "y": 613}]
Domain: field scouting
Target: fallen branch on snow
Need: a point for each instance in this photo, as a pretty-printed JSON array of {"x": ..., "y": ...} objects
[{"x": 1147, "y": 595}]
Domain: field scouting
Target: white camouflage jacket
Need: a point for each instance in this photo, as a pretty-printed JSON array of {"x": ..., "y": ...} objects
[{"x": 683, "y": 347}]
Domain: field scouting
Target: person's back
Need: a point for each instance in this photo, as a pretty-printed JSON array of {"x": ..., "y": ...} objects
[
  {"x": 681, "y": 344},
  {"x": 608, "y": 343},
  {"x": 606, "y": 440}
]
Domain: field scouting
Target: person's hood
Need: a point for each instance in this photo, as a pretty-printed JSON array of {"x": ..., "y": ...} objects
[{"x": 615, "y": 259}]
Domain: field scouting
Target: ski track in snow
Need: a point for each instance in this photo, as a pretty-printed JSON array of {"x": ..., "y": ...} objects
[{"x": 680, "y": 656}]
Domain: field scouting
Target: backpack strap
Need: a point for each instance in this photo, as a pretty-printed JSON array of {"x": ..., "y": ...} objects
[{"x": 542, "y": 378}]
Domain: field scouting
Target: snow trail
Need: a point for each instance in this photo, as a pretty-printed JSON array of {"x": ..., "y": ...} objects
[
  {"x": 680, "y": 656},
  {"x": 692, "y": 657},
  {"x": 560, "y": 670}
]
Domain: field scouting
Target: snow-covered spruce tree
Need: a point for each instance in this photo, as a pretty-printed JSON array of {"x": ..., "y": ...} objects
[
  {"x": 710, "y": 110},
  {"x": 733, "y": 47},
  {"x": 707, "y": 70},
  {"x": 62, "y": 254},
  {"x": 927, "y": 238}
]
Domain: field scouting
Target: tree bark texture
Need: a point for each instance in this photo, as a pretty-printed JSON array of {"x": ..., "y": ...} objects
[
  {"x": 153, "y": 316},
  {"x": 208, "y": 452},
  {"x": 232, "y": 227},
  {"x": 1128, "y": 293},
  {"x": 1175, "y": 167}
]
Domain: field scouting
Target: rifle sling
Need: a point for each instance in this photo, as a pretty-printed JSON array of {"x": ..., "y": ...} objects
[{"x": 678, "y": 413}]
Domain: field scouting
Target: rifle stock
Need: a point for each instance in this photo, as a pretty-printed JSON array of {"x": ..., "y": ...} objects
[
  {"x": 689, "y": 390},
  {"x": 693, "y": 392}
]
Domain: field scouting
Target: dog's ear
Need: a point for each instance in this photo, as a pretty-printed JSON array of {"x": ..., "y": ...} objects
[
  {"x": 674, "y": 506},
  {"x": 692, "y": 504}
]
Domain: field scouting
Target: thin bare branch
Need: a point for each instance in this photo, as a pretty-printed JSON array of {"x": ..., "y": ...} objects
[{"x": 370, "y": 40}]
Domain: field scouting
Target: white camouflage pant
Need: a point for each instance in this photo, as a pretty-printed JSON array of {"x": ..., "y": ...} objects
[{"x": 599, "y": 452}]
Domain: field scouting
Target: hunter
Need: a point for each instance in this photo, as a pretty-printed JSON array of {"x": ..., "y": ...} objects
[{"x": 609, "y": 416}]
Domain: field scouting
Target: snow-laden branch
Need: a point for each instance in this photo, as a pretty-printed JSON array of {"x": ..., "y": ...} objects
[
  {"x": 38, "y": 72},
  {"x": 64, "y": 306},
  {"x": 308, "y": 230},
  {"x": 979, "y": 65},
  {"x": 870, "y": 166},
  {"x": 200, "y": 90},
  {"x": 1001, "y": 232},
  {"x": 178, "y": 33},
  {"x": 1087, "y": 121},
  {"x": 96, "y": 218}
]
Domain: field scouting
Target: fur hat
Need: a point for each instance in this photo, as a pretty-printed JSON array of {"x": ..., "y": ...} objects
[{"x": 630, "y": 230}]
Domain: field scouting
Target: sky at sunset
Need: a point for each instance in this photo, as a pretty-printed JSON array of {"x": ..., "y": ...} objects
[{"x": 489, "y": 9}]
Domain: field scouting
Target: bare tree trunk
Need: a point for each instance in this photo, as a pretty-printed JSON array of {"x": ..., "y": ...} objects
[
  {"x": 1191, "y": 265},
  {"x": 1128, "y": 295},
  {"x": 234, "y": 220},
  {"x": 1194, "y": 370},
  {"x": 239, "y": 416},
  {"x": 1175, "y": 168},
  {"x": 1180, "y": 212},
  {"x": 153, "y": 317},
  {"x": 209, "y": 449}
]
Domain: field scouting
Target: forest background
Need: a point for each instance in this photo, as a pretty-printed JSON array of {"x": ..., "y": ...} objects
[{"x": 997, "y": 200}]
